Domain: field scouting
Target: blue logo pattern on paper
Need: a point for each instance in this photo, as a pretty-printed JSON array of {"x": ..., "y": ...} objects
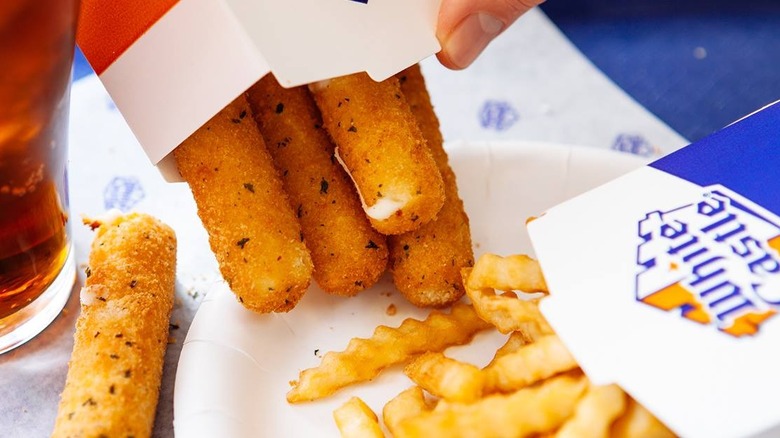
[
  {"x": 498, "y": 115},
  {"x": 715, "y": 260},
  {"x": 123, "y": 193},
  {"x": 110, "y": 104},
  {"x": 634, "y": 144}
]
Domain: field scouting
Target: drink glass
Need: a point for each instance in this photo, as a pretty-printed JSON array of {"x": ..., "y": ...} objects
[{"x": 37, "y": 269}]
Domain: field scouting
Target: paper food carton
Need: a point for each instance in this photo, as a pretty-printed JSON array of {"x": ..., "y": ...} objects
[
  {"x": 170, "y": 65},
  {"x": 666, "y": 281}
]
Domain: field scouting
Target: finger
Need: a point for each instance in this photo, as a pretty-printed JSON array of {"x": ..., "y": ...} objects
[{"x": 466, "y": 27}]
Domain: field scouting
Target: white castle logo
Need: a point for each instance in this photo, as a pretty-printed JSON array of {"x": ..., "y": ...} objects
[{"x": 715, "y": 260}]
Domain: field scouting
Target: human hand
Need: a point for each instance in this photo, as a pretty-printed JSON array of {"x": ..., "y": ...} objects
[{"x": 466, "y": 27}]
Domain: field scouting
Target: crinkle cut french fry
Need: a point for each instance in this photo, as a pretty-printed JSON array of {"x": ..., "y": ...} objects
[
  {"x": 252, "y": 229},
  {"x": 595, "y": 413},
  {"x": 529, "y": 364},
  {"x": 364, "y": 359},
  {"x": 426, "y": 262},
  {"x": 356, "y": 420},
  {"x": 121, "y": 335},
  {"x": 378, "y": 140},
  {"x": 530, "y": 411},
  {"x": 516, "y": 272},
  {"x": 349, "y": 256},
  {"x": 506, "y": 312},
  {"x": 638, "y": 422},
  {"x": 535, "y": 330},
  {"x": 514, "y": 342},
  {"x": 409, "y": 403},
  {"x": 446, "y": 378}
]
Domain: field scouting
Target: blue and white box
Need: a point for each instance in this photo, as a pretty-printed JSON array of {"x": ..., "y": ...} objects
[{"x": 666, "y": 281}]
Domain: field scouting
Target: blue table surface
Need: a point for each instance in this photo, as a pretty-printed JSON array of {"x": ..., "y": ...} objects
[{"x": 698, "y": 65}]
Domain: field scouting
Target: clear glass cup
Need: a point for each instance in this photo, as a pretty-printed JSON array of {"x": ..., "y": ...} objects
[{"x": 37, "y": 267}]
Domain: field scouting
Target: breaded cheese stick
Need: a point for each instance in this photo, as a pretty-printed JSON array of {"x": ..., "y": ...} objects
[
  {"x": 426, "y": 262},
  {"x": 252, "y": 229},
  {"x": 379, "y": 142},
  {"x": 121, "y": 334},
  {"x": 348, "y": 254}
]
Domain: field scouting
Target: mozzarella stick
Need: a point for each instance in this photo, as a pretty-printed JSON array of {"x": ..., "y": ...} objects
[
  {"x": 116, "y": 366},
  {"x": 252, "y": 230},
  {"x": 426, "y": 262},
  {"x": 348, "y": 254},
  {"x": 381, "y": 146}
]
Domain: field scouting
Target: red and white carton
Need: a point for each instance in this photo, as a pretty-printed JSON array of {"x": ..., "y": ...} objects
[
  {"x": 666, "y": 281},
  {"x": 170, "y": 65}
]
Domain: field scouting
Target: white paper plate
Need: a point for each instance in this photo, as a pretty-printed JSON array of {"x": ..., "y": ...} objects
[{"x": 235, "y": 366}]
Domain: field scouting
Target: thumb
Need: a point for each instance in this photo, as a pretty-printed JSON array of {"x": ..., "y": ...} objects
[{"x": 466, "y": 27}]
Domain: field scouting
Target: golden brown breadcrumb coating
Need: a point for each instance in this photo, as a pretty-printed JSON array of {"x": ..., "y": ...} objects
[
  {"x": 382, "y": 147},
  {"x": 426, "y": 262},
  {"x": 252, "y": 229},
  {"x": 349, "y": 256},
  {"x": 121, "y": 334}
]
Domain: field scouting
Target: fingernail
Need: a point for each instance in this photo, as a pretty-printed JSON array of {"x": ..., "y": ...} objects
[{"x": 471, "y": 37}]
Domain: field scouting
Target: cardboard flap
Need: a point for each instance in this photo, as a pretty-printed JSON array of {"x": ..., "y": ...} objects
[{"x": 171, "y": 65}]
